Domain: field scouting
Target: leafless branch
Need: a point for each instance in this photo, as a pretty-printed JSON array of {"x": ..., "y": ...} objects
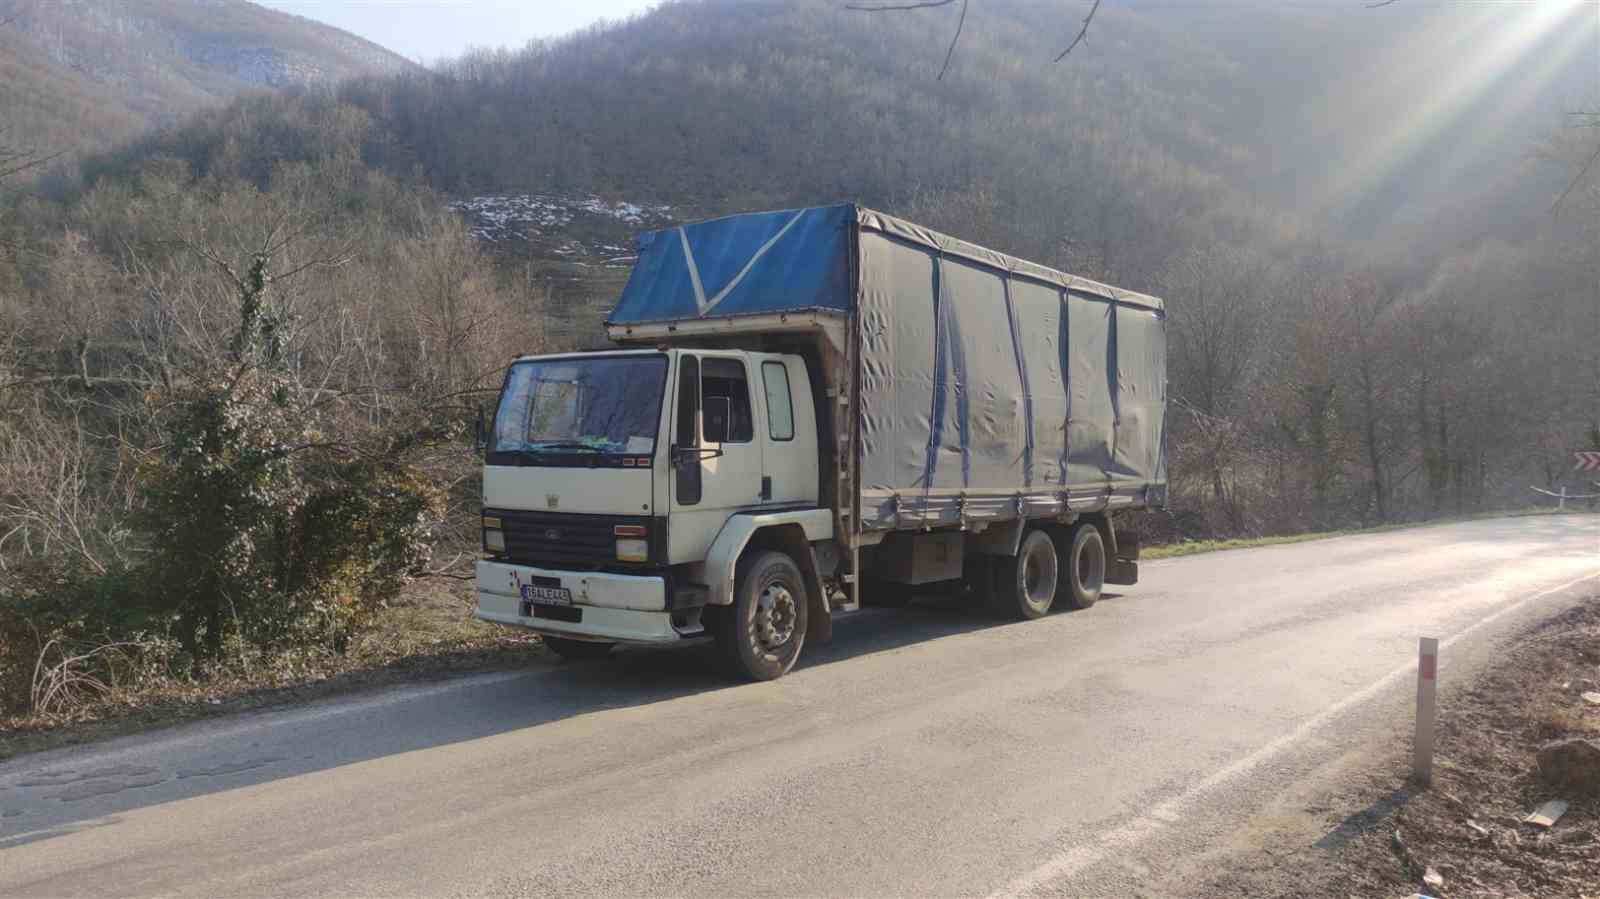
[
  {"x": 960, "y": 24},
  {"x": 18, "y": 167},
  {"x": 1082, "y": 32}
]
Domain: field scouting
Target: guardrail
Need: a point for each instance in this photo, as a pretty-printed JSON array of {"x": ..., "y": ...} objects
[{"x": 1563, "y": 496}]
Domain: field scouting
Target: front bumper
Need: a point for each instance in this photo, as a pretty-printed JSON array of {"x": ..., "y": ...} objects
[{"x": 625, "y": 608}]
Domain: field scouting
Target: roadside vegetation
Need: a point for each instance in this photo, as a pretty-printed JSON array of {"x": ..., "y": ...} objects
[
  {"x": 240, "y": 358},
  {"x": 425, "y": 632},
  {"x": 236, "y": 382}
]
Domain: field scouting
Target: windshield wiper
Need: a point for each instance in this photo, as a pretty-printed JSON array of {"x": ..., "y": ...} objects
[{"x": 560, "y": 445}]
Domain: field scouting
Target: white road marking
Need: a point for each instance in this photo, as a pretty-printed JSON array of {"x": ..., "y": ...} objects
[{"x": 1077, "y": 858}]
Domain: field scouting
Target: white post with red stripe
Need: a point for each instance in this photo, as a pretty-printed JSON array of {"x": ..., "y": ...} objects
[{"x": 1427, "y": 708}]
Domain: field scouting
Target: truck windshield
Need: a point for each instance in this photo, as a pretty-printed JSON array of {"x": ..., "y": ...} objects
[{"x": 601, "y": 405}]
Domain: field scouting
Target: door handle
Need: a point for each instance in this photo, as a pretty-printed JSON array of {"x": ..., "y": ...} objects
[{"x": 697, "y": 453}]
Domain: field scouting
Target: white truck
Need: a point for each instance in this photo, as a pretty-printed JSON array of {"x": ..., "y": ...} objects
[{"x": 811, "y": 408}]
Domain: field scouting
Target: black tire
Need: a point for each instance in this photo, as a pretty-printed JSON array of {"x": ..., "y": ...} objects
[
  {"x": 760, "y": 636},
  {"x": 1084, "y": 566},
  {"x": 887, "y": 594},
  {"x": 577, "y": 650},
  {"x": 1025, "y": 584}
]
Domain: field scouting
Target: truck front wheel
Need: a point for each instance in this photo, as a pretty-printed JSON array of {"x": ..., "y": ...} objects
[
  {"x": 760, "y": 636},
  {"x": 1025, "y": 584}
]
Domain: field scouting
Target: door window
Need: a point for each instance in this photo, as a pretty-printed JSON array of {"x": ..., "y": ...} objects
[
  {"x": 780, "y": 408},
  {"x": 687, "y": 464},
  {"x": 725, "y": 378}
]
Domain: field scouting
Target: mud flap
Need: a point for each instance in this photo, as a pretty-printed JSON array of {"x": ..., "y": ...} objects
[{"x": 1122, "y": 572}]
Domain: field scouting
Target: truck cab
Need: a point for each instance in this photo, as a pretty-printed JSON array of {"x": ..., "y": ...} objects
[{"x": 610, "y": 476}]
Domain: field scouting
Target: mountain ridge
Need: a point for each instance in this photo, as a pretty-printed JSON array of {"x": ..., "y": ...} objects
[{"x": 86, "y": 74}]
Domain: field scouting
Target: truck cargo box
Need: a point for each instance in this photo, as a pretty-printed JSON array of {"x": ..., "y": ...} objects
[{"x": 984, "y": 387}]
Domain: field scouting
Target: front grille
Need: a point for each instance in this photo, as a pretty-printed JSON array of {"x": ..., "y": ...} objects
[{"x": 563, "y": 538}]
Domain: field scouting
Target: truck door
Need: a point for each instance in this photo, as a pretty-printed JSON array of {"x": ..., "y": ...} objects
[
  {"x": 717, "y": 465},
  {"x": 789, "y": 451}
]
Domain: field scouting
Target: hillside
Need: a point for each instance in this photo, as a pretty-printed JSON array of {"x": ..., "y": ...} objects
[
  {"x": 1417, "y": 126},
  {"x": 84, "y": 74}
]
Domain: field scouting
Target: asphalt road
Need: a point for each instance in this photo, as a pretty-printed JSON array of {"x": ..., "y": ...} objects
[{"x": 925, "y": 751}]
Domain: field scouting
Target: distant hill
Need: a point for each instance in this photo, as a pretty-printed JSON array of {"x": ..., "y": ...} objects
[
  {"x": 1410, "y": 132},
  {"x": 85, "y": 74},
  {"x": 1415, "y": 123}
]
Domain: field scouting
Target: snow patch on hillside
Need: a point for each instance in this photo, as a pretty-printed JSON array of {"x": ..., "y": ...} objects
[{"x": 562, "y": 221}]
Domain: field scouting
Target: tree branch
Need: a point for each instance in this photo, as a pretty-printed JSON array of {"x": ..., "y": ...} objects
[
  {"x": 1082, "y": 32},
  {"x": 17, "y": 168},
  {"x": 960, "y": 24},
  {"x": 950, "y": 52}
]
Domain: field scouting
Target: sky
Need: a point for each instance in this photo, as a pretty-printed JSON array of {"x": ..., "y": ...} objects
[{"x": 428, "y": 30}]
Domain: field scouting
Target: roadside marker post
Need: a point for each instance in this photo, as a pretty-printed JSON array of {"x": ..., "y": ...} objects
[{"x": 1427, "y": 708}]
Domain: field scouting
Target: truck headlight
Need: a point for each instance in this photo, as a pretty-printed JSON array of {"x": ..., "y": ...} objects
[
  {"x": 633, "y": 550},
  {"x": 494, "y": 539}
]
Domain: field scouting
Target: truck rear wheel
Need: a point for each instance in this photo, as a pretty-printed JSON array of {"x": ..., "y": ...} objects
[
  {"x": 577, "y": 650},
  {"x": 1084, "y": 566},
  {"x": 1025, "y": 584},
  {"x": 760, "y": 636}
]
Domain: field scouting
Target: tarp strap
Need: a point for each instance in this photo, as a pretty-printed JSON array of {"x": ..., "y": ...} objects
[
  {"x": 1063, "y": 350},
  {"x": 936, "y": 412},
  {"x": 958, "y": 360},
  {"x": 694, "y": 271},
  {"x": 1027, "y": 395},
  {"x": 1114, "y": 381},
  {"x": 706, "y": 305}
]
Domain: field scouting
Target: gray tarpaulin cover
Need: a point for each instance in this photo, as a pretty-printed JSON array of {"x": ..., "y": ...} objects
[{"x": 986, "y": 381}]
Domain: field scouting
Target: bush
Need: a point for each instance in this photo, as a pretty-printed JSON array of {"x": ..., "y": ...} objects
[{"x": 264, "y": 527}]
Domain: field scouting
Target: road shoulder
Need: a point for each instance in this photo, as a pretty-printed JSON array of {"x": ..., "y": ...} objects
[{"x": 1369, "y": 832}]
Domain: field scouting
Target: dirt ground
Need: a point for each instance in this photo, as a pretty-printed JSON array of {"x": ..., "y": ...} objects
[{"x": 1383, "y": 836}]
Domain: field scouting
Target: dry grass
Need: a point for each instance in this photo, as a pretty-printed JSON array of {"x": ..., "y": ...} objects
[{"x": 429, "y": 633}]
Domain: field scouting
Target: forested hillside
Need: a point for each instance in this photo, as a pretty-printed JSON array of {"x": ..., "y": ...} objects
[
  {"x": 239, "y": 357},
  {"x": 80, "y": 75}
]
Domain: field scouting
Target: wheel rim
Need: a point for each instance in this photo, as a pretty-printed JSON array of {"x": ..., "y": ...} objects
[{"x": 775, "y": 617}]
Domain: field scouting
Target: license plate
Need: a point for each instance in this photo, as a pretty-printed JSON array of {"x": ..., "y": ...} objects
[{"x": 547, "y": 596}]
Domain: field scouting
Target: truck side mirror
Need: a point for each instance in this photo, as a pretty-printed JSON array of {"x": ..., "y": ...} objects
[
  {"x": 480, "y": 441},
  {"x": 718, "y": 410}
]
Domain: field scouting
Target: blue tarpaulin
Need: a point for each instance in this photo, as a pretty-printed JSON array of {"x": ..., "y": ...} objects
[{"x": 743, "y": 264}]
